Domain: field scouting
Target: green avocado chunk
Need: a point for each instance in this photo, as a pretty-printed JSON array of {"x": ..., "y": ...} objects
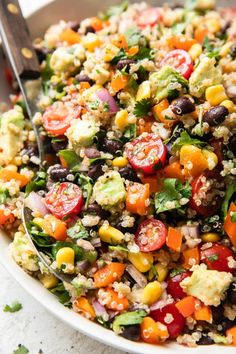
[
  {"x": 109, "y": 190},
  {"x": 82, "y": 133},
  {"x": 166, "y": 81}
]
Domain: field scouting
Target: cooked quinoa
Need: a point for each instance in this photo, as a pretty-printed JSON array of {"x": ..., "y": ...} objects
[{"x": 138, "y": 106}]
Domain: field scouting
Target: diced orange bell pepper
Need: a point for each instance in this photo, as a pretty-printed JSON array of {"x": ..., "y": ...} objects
[
  {"x": 82, "y": 305},
  {"x": 191, "y": 257},
  {"x": 158, "y": 110},
  {"x": 231, "y": 332},
  {"x": 200, "y": 33},
  {"x": 174, "y": 170},
  {"x": 119, "y": 82},
  {"x": 137, "y": 198},
  {"x": 181, "y": 42},
  {"x": 186, "y": 306},
  {"x": 203, "y": 313},
  {"x": 96, "y": 23},
  {"x": 83, "y": 86},
  {"x": 144, "y": 125},
  {"x": 120, "y": 42},
  {"x": 133, "y": 50},
  {"x": 155, "y": 183},
  {"x": 153, "y": 332},
  {"x": 7, "y": 175},
  {"x": 107, "y": 275},
  {"x": 114, "y": 301},
  {"x": 53, "y": 227},
  {"x": 6, "y": 217},
  {"x": 229, "y": 225},
  {"x": 70, "y": 36},
  {"x": 174, "y": 239},
  {"x": 193, "y": 160}
]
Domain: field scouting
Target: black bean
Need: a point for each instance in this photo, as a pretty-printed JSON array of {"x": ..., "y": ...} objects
[
  {"x": 124, "y": 63},
  {"x": 131, "y": 230},
  {"x": 129, "y": 173},
  {"x": 205, "y": 340},
  {"x": 231, "y": 293},
  {"x": 41, "y": 52},
  {"x": 215, "y": 115},
  {"x": 131, "y": 332},
  {"x": 233, "y": 50},
  {"x": 92, "y": 153},
  {"x": 112, "y": 146},
  {"x": 30, "y": 150},
  {"x": 84, "y": 78},
  {"x": 225, "y": 28},
  {"x": 89, "y": 29},
  {"x": 75, "y": 26},
  {"x": 183, "y": 105},
  {"x": 58, "y": 173},
  {"x": 217, "y": 314},
  {"x": 59, "y": 145},
  {"x": 232, "y": 144},
  {"x": 96, "y": 209},
  {"x": 95, "y": 171}
]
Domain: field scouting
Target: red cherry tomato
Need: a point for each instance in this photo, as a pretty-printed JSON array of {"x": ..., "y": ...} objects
[
  {"x": 151, "y": 235},
  {"x": 181, "y": 61},
  {"x": 207, "y": 193},
  {"x": 57, "y": 118},
  {"x": 64, "y": 199},
  {"x": 218, "y": 257},
  {"x": 173, "y": 285},
  {"x": 149, "y": 17},
  {"x": 146, "y": 153},
  {"x": 170, "y": 316}
]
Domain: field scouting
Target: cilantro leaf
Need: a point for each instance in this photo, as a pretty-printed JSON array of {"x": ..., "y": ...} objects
[
  {"x": 62, "y": 294},
  {"x": 71, "y": 158},
  {"x": 142, "y": 108},
  {"x": 231, "y": 189},
  {"x": 85, "y": 184},
  {"x": 132, "y": 36},
  {"x": 233, "y": 216},
  {"x": 130, "y": 132},
  {"x": 114, "y": 10},
  {"x": 176, "y": 271},
  {"x": 186, "y": 139},
  {"x": 21, "y": 350},
  {"x": 213, "y": 258},
  {"x": 14, "y": 307},
  {"x": 4, "y": 194},
  {"x": 78, "y": 231},
  {"x": 173, "y": 191},
  {"x": 212, "y": 52},
  {"x": 128, "y": 318},
  {"x": 143, "y": 53},
  {"x": 38, "y": 183}
]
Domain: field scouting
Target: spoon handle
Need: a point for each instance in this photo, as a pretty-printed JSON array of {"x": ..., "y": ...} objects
[{"x": 16, "y": 40}]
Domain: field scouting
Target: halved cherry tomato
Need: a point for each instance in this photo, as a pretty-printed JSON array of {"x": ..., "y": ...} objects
[
  {"x": 151, "y": 235},
  {"x": 207, "y": 193},
  {"x": 170, "y": 316},
  {"x": 173, "y": 284},
  {"x": 149, "y": 17},
  {"x": 57, "y": 118},
  {"x": 217, "y": 257},
  {"x": 64, "y": 199},
  {"x": 146, "y": 153},
  {"x": 181, "y": 61}
]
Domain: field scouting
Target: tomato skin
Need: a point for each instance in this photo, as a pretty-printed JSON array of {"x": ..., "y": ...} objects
[
  {"x": 216, "y": 257},
  {"x": 149, "y": 17},
  {"x": 57, "y": 118},
  {"x": 181, "y": 61},
  {"x": 152, "y": 151},
  {"x": 64, "y": 199},
  {"x": 175, "y": 327},
  {"x": 206, "y": 209},
  {"x": 173, "y": 285},
  {"x": 151, "y": 235}
]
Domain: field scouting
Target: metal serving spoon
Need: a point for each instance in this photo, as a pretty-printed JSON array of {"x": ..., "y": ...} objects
[{"x": 23, "y": 59}]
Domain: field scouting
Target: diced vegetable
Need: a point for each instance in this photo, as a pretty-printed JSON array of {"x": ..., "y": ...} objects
[
  {"x": 174, "y": 239},
  {"x": 107, "y": 275},
  {"x": 137, "y": 198},
  {"x": 230, "y": 225},
  {"x": 186, "y": 306}
]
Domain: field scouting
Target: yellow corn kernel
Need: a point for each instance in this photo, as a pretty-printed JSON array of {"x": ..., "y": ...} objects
[
  {"x": 211, "y": 157},
  {"x": 48, "y": 281},
  {"x": 142, "y": 261},
  {"x": 144, "y": 91},
  {"x": 110, "y": 52},
  {"x": 161, "y": 271},
  {"x": 195, "y": 51},
  {"x": 110, "y": 234},
  {"x": 91, "y": 41},
  {"x": 216, "y": 94},
  {"x": 229, "y": 105},
  {"x": 225, "y": 49},
  {"x": 151, "y": 293},
  {"x": 65, "y": 255},
  {"x": 120, "y": 161},
  {"x": 210, "y": 237},
  {"x": 122, "y": 119},
  {"x": 213, "y": 25}
]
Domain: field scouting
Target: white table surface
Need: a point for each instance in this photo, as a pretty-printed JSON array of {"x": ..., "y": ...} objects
[{"x": 33, "y": 326}]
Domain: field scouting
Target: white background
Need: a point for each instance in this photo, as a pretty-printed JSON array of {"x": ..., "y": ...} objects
[{"x": 33, "y": 326}]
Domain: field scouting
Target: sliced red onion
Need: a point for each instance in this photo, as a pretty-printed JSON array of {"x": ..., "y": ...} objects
[
  {"x": 112, "y": 314},
  {"x": 96, "y": 242},
  {"x": 139, "y": 278},
  {"x": 99, "y": 309},
  {"x": 83, "y": 265},
  {"x": 106, "y": 97},
  {"x": 86, "y": 245},
  {"x": 35, "y": 203},
  {"x": 190, "y": 231}
]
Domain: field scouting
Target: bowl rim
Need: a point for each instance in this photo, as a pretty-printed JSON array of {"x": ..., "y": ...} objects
[{"x": 68, "y": 316}]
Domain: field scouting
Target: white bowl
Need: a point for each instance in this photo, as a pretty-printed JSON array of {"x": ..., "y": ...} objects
[{"x": 38, "y": 22}]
